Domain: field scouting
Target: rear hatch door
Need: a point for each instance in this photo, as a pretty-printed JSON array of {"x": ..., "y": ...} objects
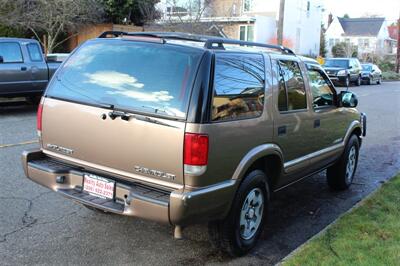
[{"x": 120, "y": 106}]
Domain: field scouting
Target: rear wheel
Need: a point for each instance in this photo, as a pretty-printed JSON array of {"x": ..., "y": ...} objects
[
  {"x": 347, "y": 81},
  {"x": 340, "y": 175},
  {"x": 358, "y": 81},
  {"x": 239, "y": 232},
  {"x": 35, "y": 100}
]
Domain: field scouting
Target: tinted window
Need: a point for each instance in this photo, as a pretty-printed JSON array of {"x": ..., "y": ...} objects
[
  {"x": 11, "y": 52},
  {"x": 366, "y": 67},
  {"x": 294, "y": 85},
  {"x": 238, "y": 86},
  {"x": 137, "y": 76},
  {"x": 323, "y": 94},
  {"x": 34, "y": 52},
  {"x": 342, "y": 63}
]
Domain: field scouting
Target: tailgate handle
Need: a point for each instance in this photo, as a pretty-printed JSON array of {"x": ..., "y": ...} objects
[{"x": 115, "y": 114}]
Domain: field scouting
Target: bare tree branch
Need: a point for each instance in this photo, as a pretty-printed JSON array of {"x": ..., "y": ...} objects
[{"x": 52, "y": 17}]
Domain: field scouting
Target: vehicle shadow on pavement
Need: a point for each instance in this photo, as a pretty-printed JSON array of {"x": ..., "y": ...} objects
[{"x": 16, "y": 107}]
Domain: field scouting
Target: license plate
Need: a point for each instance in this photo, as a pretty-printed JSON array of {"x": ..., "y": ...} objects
[{"x": 98, "y": 186}]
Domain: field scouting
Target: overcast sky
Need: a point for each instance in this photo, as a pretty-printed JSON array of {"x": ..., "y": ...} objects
[{"x": 356, "y": 8}]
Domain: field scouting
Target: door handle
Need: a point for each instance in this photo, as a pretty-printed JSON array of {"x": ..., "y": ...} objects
[
  {"x": 317, "y": 123},
  {"x": 24, "y": 68},
  {"x": 281, "y": 130}
]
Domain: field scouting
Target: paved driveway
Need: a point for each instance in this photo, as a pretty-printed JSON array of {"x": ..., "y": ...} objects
[{"x": 41, "y": 227}]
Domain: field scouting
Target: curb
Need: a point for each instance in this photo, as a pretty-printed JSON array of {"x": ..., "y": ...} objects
[{"x": 358, "y": 204}]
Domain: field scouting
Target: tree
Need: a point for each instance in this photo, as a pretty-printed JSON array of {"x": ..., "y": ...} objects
[
  {"x": 322, "y": 40},
  {"x": 53, "y": 18},
  {"x": 187, "y": 16},
  {"x": 131, "y": 11},
  {"x": 346, "y": 16},
  {"x": 344, "y": 49}
]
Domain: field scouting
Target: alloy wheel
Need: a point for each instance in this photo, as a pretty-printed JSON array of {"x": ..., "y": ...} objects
[{"x": 251, "y": 213}]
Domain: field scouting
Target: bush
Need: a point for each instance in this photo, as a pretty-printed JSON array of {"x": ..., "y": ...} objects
[{"x": 390, "y": 75}]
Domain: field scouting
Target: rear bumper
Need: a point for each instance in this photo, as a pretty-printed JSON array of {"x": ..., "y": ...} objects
[
  {"x": 337, "y": 79},
  {"x": 179, "y": 207}
]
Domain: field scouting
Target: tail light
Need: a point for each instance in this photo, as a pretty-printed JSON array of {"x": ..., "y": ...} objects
[
  {"x": 39, "y": 117},
  {"x": 195, "y": 153}
]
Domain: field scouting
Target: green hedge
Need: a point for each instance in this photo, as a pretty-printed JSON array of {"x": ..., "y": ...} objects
[{"x": 390, "y": 75}]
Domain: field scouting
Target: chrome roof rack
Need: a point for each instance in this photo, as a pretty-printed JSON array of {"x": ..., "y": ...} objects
[{"x": 210, "y": 42}]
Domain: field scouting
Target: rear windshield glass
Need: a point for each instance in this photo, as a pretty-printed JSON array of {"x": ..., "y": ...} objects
[
  {"x": 337, "y": 63},
  {"x": 133, "y": 76},
  {"x": 366, "y": 67}
]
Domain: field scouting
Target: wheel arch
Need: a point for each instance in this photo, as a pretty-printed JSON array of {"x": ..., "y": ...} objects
[
  {"x": 267, "y": 158},
  {"x": 354, "y": 128}
]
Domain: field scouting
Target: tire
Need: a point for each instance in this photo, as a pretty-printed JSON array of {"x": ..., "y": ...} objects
[
  {"x": 34, "y": 100},
  {"x": 379, "y": 82},
  {"x": 340, "y": 175},
  {"x": 358, "y": 81},
  {"x": 369, "y": 81},
  {"x": 347, "y": 82},
  {"x": 230, "y": 234}
]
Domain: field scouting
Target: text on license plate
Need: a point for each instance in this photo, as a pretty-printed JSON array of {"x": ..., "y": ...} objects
[{"x": 98, "y": 186}]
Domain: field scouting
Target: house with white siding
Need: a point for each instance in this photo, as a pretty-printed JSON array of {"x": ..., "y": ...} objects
[
  {"x": 254, "y": 20},
  {"x": 369, "y": 35}
]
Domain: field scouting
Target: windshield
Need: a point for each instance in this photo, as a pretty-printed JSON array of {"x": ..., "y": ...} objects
[
  {"x": 136, "y": 76},
  {"x": 366, "y": 67},
  {"x": 342, "y": 63}
]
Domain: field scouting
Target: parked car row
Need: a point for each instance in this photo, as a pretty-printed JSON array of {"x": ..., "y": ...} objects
[{"x": 344, "y": 71}]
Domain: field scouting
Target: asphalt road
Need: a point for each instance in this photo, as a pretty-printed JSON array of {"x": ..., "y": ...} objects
[{"x": 41, "y": 227}]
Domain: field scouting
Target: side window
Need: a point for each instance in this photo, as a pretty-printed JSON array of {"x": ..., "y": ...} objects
[
  {"x": 323, "y": 95},
  {"x": 291, "y": 87},
  {"x": 34, "y": 52},
  {"x": 11, "y": 52},
  {"x": 238, "y": 86}
]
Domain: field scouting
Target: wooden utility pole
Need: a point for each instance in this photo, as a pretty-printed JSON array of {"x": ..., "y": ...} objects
[
  {"x": 398, "y": 47},
  {"x": 280, "y": 22}
]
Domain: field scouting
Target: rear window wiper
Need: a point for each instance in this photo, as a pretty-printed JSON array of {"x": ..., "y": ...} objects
[{"x": 126, "y": 116}]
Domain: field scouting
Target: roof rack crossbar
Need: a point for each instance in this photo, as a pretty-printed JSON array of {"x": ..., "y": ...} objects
[
  {"x": 165, "y": 35},
  {"x": 112, "y": 32},
  {"x": 210, "y": 42},
  {"x": 220, "y": 42}
]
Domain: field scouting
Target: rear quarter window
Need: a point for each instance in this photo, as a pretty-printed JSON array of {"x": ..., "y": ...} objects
[
  {"x": 238, "y": 86},
  {"x": 34, "y": 52}
]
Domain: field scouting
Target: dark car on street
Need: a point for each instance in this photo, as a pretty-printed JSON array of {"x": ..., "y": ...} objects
[
  {"x": 343, "y": 71},
  {"x": 371, "y": 73},
  {"x": 23, "y": 68}
]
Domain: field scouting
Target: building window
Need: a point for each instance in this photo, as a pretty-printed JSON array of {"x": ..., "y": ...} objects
[
  {"x": 331, "y": 42},
  {"x": 247, "y": 5},
  {"x": 246, "y": 33}
]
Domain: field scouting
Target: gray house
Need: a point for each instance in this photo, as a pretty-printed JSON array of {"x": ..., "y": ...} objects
[{"x": 370, "y": 35}]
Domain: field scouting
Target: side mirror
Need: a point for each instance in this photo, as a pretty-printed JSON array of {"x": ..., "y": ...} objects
[
  {"x": 1, "y": 59},
  {"x": 348, "y": 99},
  {"x": 350, "y": 67}
]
